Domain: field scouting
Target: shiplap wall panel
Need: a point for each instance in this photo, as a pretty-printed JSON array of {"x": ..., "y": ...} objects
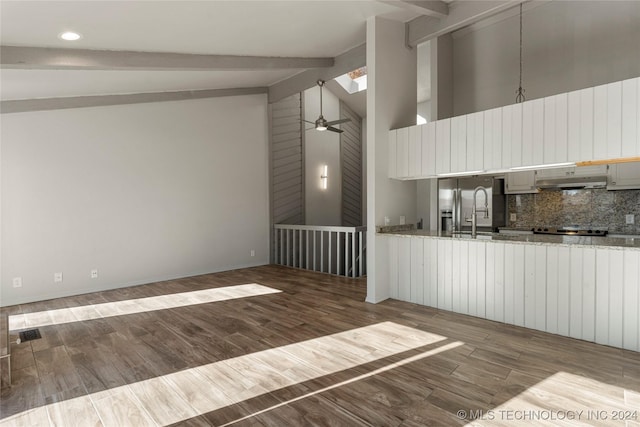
[
  {"x": 287, "y": 161},
  {"x": 351, "y": 157},
  {"x": 586, "y": 293}
]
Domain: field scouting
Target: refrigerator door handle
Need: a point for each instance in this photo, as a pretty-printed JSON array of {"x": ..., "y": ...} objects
[{"x": 454, "y": 212}]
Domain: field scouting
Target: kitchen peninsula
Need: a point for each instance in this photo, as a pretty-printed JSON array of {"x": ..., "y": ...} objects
[{"x": 581, "y": 287}]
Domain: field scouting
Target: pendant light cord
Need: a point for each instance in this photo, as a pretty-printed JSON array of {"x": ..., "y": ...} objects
[{"x": 520, "y": 92}]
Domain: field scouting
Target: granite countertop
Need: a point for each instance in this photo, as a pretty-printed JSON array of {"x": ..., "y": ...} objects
[{"x": 607, "y": 242}]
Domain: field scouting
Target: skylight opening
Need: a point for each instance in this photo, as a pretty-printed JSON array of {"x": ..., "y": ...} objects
[{"x": 354, "y": 81}]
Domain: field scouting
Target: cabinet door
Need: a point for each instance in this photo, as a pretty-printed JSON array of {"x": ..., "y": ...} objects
[
  {"x": 416, "y": 294},
  {"x": 493, "y": 155},
  {"x": 580, "y": 125},
  {"x": 607, "y": 121},
  {"x": 630, "y": 118},
  {"x": 391, "y": 155},
  {"x": 624, "y": 176},
  {"x": 512, "y": 136},
  {"x": 443, "y": 146},
  {"x": 555, "y": 129},
  {"x": 520, "y": 182},
  {"x": 402, "y": 159},
  {"x": 459, "y": 144},
  {"x": 428, "y": 152},
  {"x": 404, "y": 268},
  {"x": 532, "y": 132},
  {"x": 475, "y": 141},
  {"x": 393, "y": 266},
  {"x": 415, "y": 155}
]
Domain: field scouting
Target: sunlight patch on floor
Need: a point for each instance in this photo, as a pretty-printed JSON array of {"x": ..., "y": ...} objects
[
  {"x": 185, "y": 394},
  {"x": 137, "y": 305},
  {"x": 562, "y": 399}
]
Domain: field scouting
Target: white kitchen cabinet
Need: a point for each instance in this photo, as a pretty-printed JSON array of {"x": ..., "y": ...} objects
[
  {"x": 580, "y": 125},
  {"x": 624, "y": 176},
  {"x": 586, "y": 293},
  {"x": 416, "y": 291},
  {"x": 532, "y": 132},
  {"x": 475, "y": 141},
  {"x": 631, "y": 117},
  {"x": 415, "y": 152},
  {"x": 443, "y": 146},
  {"x": 459, "y": 144},
  {"x": 392, "y": 171},
  {"x": 512, "y": 136},
  {"x": 402, "y": 154},
  {"x": 493, "y": 155},
  {"x": 607, "y": 121},
  {"x": 555, "y": 129},
  {"x": 520, "y": 182},
  {"x": 428, "y": 151}
]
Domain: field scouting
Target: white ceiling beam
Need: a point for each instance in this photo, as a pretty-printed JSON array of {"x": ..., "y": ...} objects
[
  {"x": 44, "y": 104},
  {"x": 461, "y": 14},
  {"x": 433, "y": 8},
  {"x": 348, "y": 61},
  {"x": 40, "y": 58}
]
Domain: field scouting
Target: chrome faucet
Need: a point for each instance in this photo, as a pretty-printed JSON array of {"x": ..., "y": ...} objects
[{"x": 474, "y": 210}]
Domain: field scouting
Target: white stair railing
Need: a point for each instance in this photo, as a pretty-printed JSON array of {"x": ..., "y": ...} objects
[{"x": 327, "y": 249}]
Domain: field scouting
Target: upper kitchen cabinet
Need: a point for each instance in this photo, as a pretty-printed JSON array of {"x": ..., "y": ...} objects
[
  {"x": 512, "y": 136},
  {"x": 520, "y": 182},
  {"x": 532, "y": 132},
  {"x": 493, "y": 156},
  {"x": 415, "y": 152},
  {"x": 580, "y": 125},
  {"x": 475, "y": 141},
  {"x": 391, "y": 155},
  {"x": 555, "y": 129},
  {"x": 607, "y": 121},
  {"x": 402, "y": 154},
  {"x": 428, "y": 151},
  {"x": 459, "y": 144},
  {"x": 624, "y": 176},
  {"x": 443, "y": 146},
  {"x": 631, "y": 117}
]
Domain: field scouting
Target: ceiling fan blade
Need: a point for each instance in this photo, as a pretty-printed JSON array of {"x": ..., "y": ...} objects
[
  {"x": 307, "y": 121},
  {"x": 309, "y": 129},
  {"x": 337, "y": 122},
  {"x": 332, "y": 129}
]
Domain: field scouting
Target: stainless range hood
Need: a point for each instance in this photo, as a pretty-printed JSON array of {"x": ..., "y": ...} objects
[{"x": 573, "y": 182}]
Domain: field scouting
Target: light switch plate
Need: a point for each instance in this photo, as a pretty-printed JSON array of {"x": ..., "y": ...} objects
[
  {"x": 402, "y": 220},
  {"x": 387, "y": 221},
  {"x": 630, "y": 219},
  {"x": 17, "y": 282},
  {"x": 57, "y": 277},
  {"x": 512, "y": 217}
]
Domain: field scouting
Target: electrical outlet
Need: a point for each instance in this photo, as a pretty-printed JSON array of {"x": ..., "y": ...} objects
[
  {"x": 630, "y": 219},
  {"x": 387, "y": 221},
  {"x": 253, "y": 252},
  {"x": 512, "y": 217},
  {"x": 57, "y": 277},
  {"x": 403, "y": 220},
  {"x": 17, "y": 282},
  {"x": 94, "y": 273}
]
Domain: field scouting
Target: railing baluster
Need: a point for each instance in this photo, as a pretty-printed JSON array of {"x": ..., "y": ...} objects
[
  {"x": 360, "y": 260},
  {"x": 353, "y": 254},
  {"x": 321, "y": 251}
]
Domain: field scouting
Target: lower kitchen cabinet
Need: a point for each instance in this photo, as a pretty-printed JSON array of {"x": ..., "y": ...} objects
[{"x": 588, "y": 293}]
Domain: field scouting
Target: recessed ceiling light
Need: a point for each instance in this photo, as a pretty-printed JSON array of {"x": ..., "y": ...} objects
[{"x": 70, "y": 36}]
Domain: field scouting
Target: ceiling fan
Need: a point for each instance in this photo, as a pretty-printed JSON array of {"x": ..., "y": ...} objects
[{"x": 321, "y": 123}]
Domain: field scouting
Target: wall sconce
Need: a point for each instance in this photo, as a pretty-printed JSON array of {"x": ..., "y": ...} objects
[{"x": 323, "y": 177}]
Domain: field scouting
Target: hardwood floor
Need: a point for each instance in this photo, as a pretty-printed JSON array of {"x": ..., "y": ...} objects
[{"x": 214, "y": 353}]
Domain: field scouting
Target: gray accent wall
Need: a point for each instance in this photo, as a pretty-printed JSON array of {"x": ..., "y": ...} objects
[
  {"x": 287, "y": 161},
  {"x": 143, "y": 193},
  {"x": 351, "y": 157}
]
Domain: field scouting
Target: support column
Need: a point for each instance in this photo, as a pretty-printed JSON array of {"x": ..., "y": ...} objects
[{"x": 391, "y": 103}]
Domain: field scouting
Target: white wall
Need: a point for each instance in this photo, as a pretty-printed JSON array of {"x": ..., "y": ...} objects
[
  {"x": 141, "y": 192},
  {"x": 322, "y": 207},
  {"x": 567, "y": 45},
  {"x": 391, "y": 103}
]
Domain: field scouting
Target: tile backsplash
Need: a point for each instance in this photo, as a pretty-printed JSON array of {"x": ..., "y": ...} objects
[{"x": 589, "y": 208}]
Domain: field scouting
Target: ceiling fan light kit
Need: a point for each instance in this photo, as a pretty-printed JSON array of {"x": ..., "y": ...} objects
[{"x": 321, "y": 124}]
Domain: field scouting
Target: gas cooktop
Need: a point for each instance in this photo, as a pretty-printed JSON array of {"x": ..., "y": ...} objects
[{"x": 570, "y": 231}]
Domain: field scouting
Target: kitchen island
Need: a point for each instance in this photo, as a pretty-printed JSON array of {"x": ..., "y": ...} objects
[{"x": 582, "y": 287}]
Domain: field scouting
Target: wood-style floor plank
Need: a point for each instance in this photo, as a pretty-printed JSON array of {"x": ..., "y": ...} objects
[{"x": 313, "y": 354}]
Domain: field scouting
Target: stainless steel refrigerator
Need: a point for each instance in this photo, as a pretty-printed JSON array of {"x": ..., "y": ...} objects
[{"x": 455, "y": 201}]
